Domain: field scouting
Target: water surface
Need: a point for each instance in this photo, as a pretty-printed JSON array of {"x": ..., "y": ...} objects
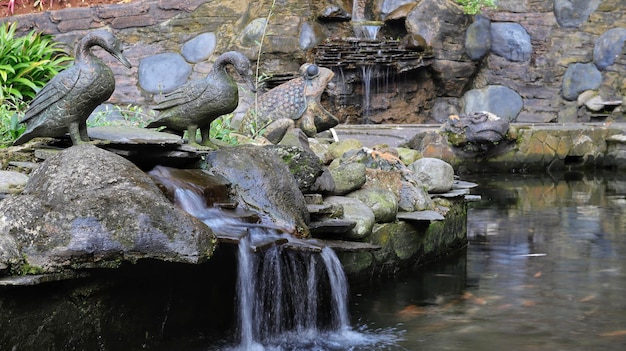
[{"x": 545, "y": 270}]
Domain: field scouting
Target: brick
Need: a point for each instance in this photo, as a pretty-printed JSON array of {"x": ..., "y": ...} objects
[
  {"x": 132, "y": 21},
  {"x": 123, "y": 10}
]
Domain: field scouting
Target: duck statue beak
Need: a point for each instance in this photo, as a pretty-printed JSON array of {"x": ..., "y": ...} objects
[
  {"x": 250, "y": 83},
  {"x": 122, "y": 59}
]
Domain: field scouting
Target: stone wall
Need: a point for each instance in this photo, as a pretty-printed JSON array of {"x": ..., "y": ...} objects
[{"x": 527, "y": 60}]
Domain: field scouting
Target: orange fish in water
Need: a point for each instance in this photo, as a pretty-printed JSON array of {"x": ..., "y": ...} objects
[
  {"x": 411, "y": 311},
  {"x": 614, "y": 333}
]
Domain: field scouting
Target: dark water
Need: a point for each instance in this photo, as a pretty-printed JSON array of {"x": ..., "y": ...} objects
[{"x": 545, "y": 270}]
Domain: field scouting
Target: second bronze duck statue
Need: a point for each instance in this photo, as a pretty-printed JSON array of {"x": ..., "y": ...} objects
[
  {"x": 195, "y": 104},
  {"x": 66, "y": 101}
]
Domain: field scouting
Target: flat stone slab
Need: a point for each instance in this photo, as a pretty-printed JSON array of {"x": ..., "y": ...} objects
[
  {"x": 420, "y": 216},
  {"x": 29, "y": 280},
  {"x": 462, "y": 184},
  {"x": 453, "y": 193},
  {"x": 350, "y": 246},
  {"x": 331, "y": 226},
  {"x": 133, "y": 135}
]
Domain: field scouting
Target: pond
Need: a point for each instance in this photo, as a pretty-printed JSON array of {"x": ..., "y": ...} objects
[{"x": 545, "y": 269}]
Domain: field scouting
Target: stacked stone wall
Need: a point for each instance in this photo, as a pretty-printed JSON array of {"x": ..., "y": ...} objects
[{"x": 548, "y": 54}]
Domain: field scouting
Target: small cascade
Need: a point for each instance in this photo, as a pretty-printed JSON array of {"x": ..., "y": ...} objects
[
  {"x": 368, "y": 58},
  {"x": 291, "y": 293}
]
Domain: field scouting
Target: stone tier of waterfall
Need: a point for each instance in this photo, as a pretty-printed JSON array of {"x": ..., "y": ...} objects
[{"x": 354, "y": 52}]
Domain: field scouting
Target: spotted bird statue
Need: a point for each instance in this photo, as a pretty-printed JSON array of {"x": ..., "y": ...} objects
[
  {"x": 64, "y": 104},
  {"x": 197, "y": 103}
]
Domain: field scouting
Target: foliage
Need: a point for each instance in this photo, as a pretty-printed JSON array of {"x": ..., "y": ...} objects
[
  {"x": 27, "y": 63},
  {"x": 473, "y": 7},
  {"x": 221, "y": 129},
  {"x": 10, "y": 128},
  {"x": 129, "y": 115}
]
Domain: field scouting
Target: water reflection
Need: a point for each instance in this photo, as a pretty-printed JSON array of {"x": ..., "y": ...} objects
[{"x": 545, "y": 270}]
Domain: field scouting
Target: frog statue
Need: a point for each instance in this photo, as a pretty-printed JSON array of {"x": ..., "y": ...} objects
[{"x": 293, "y": 104}]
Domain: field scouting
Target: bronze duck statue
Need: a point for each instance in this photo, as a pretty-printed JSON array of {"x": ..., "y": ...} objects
[
  {"x": 66, "y": 101},
  {"x": 197, "y": 103}
]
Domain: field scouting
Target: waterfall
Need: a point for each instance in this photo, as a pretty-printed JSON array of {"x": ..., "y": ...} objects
[
  {"x": 366, "y": 29},
  {"x": 284, "y": 297},
  {"x": 291, "y": 296}
]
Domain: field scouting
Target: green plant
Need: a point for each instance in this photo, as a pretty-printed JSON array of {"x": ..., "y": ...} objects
[
  {"x": 10, "y": 128},
  {"x": 129, "y": 115},
  {"x": 473, "y": 7},
  {"x": 27, "y": 63},
  {"x": 221, "y": 129}
]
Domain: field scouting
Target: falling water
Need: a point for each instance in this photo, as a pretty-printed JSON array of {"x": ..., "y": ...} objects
[
  {"x": 365, "y": 29},
  {"x": 287, "y": 298},
  {"x": 293, "y": 299}
]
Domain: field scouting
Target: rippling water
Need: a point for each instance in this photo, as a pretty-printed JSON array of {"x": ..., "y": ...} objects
[{"x": 545, "y": 270}]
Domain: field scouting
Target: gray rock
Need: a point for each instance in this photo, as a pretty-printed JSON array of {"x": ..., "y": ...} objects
[
  {"x": 497, "y": 99},
  {"x": 608, "y": 46},
  {"x": 262, "y": 183},
  {"x": 389, "y": 6},
  {"x": 511, "y": 41},
  {"x": 435, "y": 20},
  {"x": 11, "y": 181},
  {"x": 324, "y": 183},
  {"x": 357, "y": 211},
  {"x": 163, "y": 73},
  {"x": 413, "y": 197},
  {"x": 87, "y": 207},
  {"x": 478, "y": 38},
  {"x": 580, "y": 77},
  {"x": 311, "y": 34},
  {"x": 444, "y": 107},
  {"x": 572, "y": 13},
  {"x": 304, "y": 166},
  {"x": 347, "y": 177},
  {"x": 382, "y": 202},
  {"x": 253, "y": 32},
  {"x": 199, "y": 48},
  {"x": 334, "y": 13},
  {"x": 436, "y": 175},
  {"x": 341, "y": 147}
]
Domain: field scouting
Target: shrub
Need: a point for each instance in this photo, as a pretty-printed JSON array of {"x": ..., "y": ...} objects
[
  {"x": 27, "y": 63},
  {"x": 473, "y": 7}
]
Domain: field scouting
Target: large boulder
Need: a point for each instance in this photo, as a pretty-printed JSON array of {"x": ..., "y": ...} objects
[
  {"x": 478, "y": 38},
  {"x": 511, "y": 41},
  {"x": 572, "y": 13},
  {"x": 578, "y": 78},
  {"x": 435, "y": 174},
  {"x": 502, "y": 101},
  {"x": 86, "y": 207},
  {"x": 261, "y": 182},
  {"x": 608, "y": 47},
  {"x": 443, "y": 25}
]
